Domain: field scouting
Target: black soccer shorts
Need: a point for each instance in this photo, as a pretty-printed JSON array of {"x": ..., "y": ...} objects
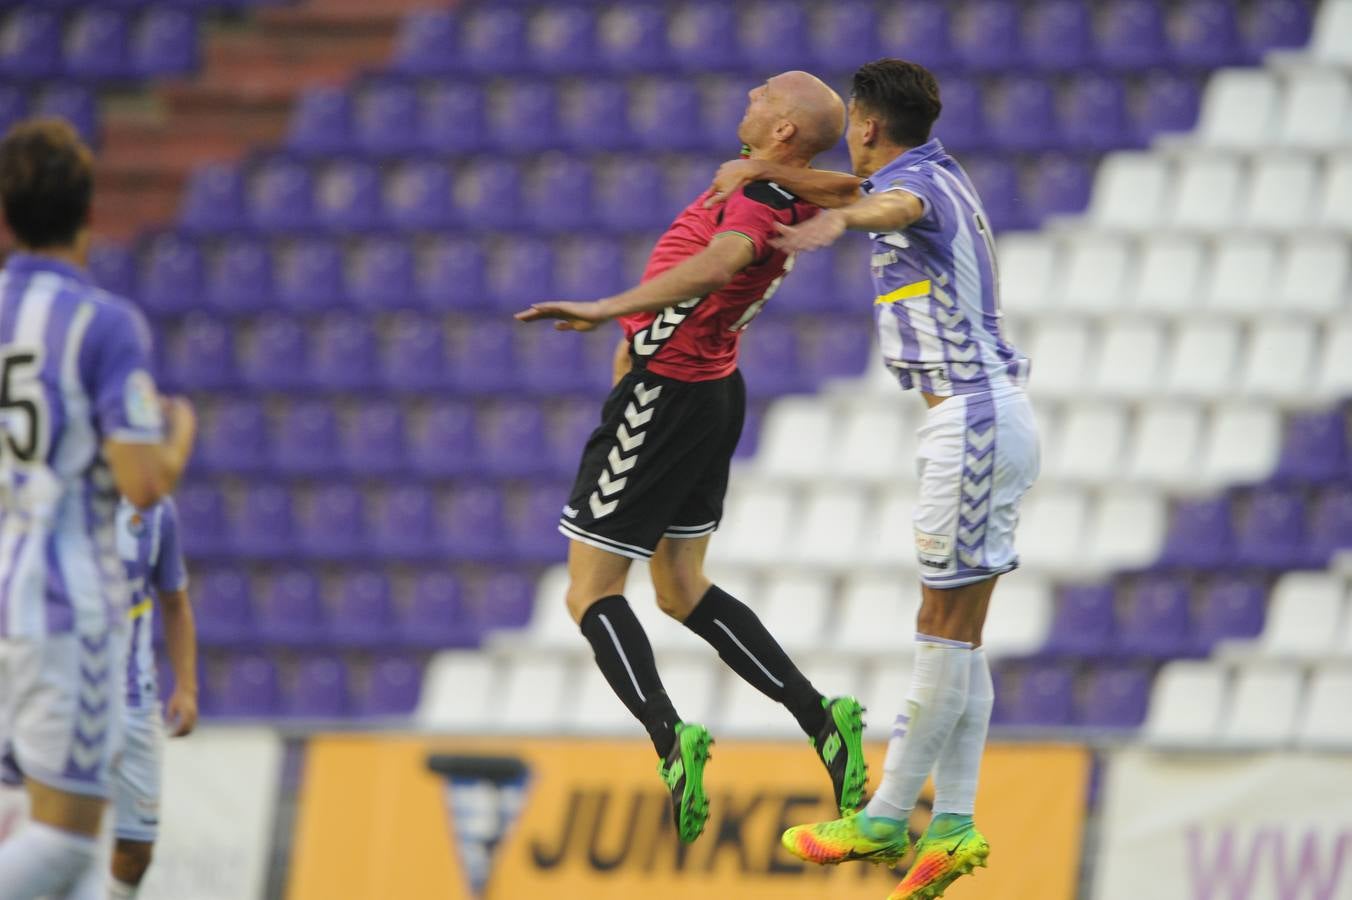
[{"x": 658, "y": 465}]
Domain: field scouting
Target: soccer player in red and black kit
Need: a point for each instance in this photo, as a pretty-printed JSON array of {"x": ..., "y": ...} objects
[{"x": 653, "y": 475}]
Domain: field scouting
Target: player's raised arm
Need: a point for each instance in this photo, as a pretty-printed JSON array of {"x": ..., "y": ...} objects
[
  {"x": 889, "y": 211},
  {"x": 820, "y": 187}
]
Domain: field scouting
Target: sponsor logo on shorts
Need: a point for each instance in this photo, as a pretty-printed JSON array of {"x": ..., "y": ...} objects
[{"x": 935, "y": 551}]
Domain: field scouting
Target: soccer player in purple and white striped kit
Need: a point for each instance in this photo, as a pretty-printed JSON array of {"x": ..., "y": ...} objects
[
  {"x": 80, "y": 423},
  {"x": 938, "y": 315}
]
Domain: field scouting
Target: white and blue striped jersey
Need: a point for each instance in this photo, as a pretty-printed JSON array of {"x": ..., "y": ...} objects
[
  {"x": 148, "y": 542},
  {"x": 74, "y": 372},
  {"x": 938, "y": 296}
]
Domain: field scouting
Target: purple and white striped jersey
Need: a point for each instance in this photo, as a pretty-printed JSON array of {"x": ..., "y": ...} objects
[
  {"x": 148, "y": 542},
  {"x": 74, "y": 371},
  {"x": 938, "y": 294}
]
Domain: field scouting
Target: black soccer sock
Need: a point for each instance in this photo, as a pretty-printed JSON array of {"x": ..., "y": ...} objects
[
  {"x": 626, "y": 659},
  {"x": 744, "y": 644}
]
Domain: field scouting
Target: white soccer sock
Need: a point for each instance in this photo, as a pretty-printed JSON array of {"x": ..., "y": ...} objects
[
  {"x": 120, "y": 890},
  {"x": 934, "y": 703},
  {"x": 955, "y": 774},
  {"x": 41, "y": 861}
]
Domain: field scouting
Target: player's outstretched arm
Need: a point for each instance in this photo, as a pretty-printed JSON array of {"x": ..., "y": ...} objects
[
  {"x": 180, "y": 638},
  {"x": 701, "y": 274},
  {"x": 819, "y": 187},
  {"x": 885, "y": 212}
]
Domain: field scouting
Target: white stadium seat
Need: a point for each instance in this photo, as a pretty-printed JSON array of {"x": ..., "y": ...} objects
[
  {"x": 1171, "y": 269},
  {"x": 756, "y": 524},
  {"x": 1089, "y": 443},
  {"x": 1242, "y": 444},
  {"x": 693, "y": 682},
  {"x": 835, "y": 676},
  {"x": 1129, "y": 191},
  {"x": 1332, "y": 38},
  {"x": 457, "y": 689},
  {"x": 1027, "y": 266},
  {"x": 532, "y": 694},
  {"x": 1051, "y": 528},
  {"x": 1264, "y": 704},
  {"x": 550, "y": 626},
  {"x": 1129, "y": 360},
  {"x": 746, "y": 712},
  {"x": 1186, "y": 703},
  {"x": 1334, "y": 380},
  {"x": 1061, "y": 354},
  {"x": 1327, "y": 718},
  {"x": 795, "y": 438},
  {"x": 1019, "y": 617},
  {"x": 884, "y": 692},
  {"x": 1208, "y": 189},
  {"x": 1304, "y": 616},
  {"x": 877, "y": 612},
  {"x": 1203, "y": 362},
  {"x": 1166, "y": 446},
  {"x": 1314, "y": 276},
  {"x": 596, "y": 710},
  {"x": 1281, "y": 194},
  {"x": 830, "y": 529},
  {"x": 889, "y": 538},
  {"x": 1238, "y": 108},
  {"x": 873, "y": 436},
  {"x": 1126, "y": 529},
  {"x": 1316, "y": 109},
  {"x": 796, "y": 608},
  {"x": 1279, "y": 360},
  {"x": 1096, "y": 274},
  {"x": 1335, "y": 195},
  {"x": 1242, "y": 275}
]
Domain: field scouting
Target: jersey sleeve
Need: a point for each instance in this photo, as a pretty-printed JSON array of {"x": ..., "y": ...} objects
[
  {"x": 753, "y": 219},
  {"x": 171, "y": 572},
  {"x": 115, "y": 365},
  {"x": 912, "y": 183}
]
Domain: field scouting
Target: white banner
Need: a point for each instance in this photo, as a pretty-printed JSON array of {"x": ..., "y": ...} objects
[{"x": 1237, "y": 827}]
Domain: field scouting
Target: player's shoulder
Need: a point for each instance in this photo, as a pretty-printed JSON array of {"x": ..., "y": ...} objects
[
  {"x": 768, "y": 193},
  {"x": 115, "y": 315}
]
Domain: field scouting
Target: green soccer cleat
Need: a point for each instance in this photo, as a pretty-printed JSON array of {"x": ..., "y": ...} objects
[
  {"x": 840, "y": 745},
  {"x": 950, "y": 849},
  {"x": 853, "y": 836},
  {"x": 683, "y": 772}
]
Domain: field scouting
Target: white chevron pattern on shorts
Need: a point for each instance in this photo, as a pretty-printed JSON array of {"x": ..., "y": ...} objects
[{"x": 623, "y": 456}]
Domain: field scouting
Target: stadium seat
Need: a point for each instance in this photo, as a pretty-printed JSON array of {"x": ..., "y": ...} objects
[
  {"x": 333, "y": 524},
  {"x": 1313, "y": 109},
  {"x": 1331, "y": 527},
  {"x": 997, "y": 179},
  {"x": 320, "y": 689},
  {"x": 1166, "y": 445},
  {"x": 1170, "y": 273},
  {"x": 239, "y": 277},
  {"x": 883, "y": 694},
  {"x": 452, "y": 275},
  {"x": 704, "y": 37},
  {"x": 250, "y": 688},
  {"x": 809, "y": 287},
  {"x": 1330, "y": 41},
  {"x": 424, "y": 41},
  {"x": 774, "y": 34},
  {"x": 769, "y": 360},
  {"x": 235, "y": 438},
  {"x": 595, "y": 116},
  {"x": 531, "y": 695},
  {"x": 757, "y": 521},
  {"x": 844, "y": 35},
  {"x": 1114, "y": 697},
  {"x": 1170, "y": 104},
  {"x": 1126, "y": 529},
  {"x": 458, "y": 690},
  {"x": 796, "y": 609},
  {"x": 13, "y": 105},
  {"x": 264, "y": 526},
  {"x": 343, "y": 355},
  {"x": 308, "y": 440},
  {"x": 1128, "y": 359},
  {"x": 1272, "y": 531},
  {"x": 633, "y": 196},
  {"x": 1205, "y": 34},
  {"x": 1186, "y": 704},
  {"x": 454, "y": 117},
  {"x": 171, "y": 274},
  {"x": 97, "y": 45},
  {"x": 1059, "y": 35},
  {"x": 1027, "y": 261},
  {"x": 1041, "y": 695},
  {"x": 281, "y": 196},
  {"x": 1335, "y": 376},
  {"x": 76, "y": 104},
  {"x": 597, "y": 711},
  {"x": 796, "y": 436},
  {"x": 487, "y": 194},
  {"x": 404, "y": 524},
  {"x": 830, "y": 535},
  {"x": 1335, "y": 194},
  {"x": 1020, "y": 622},
  {"x": 1089, "y": 446},
  {"x": 311, "y": 277},
  {"x": 511, "y": 435},
  {"x": 1326, "y": 721},
  {"x": 1129, "y": 191},
  {"x": 1207, "y": 193},
  {"x": 1132, "y": 35},
  {"x": 1277, "y": 24},
  {"x": 1051, "y": 528},
  {"x": 414, "y": 358},
  {"x": 1200, "y": 534},
  {"x": 560, "y": 193},
  {"x": 502, "y": 601},
  {"x": 202, "y": 356},
  {"x": 1024, "y": 118},
  {"x": 373, "y": 442},
  {"x": 347, "y": 197},
  {"x": 873, "y": 610},
  {"x": 1204, "y": 359},
  {"x": 392, "y": 689},
  {"x": 363, "y": 612},
  {"x": 1230, "y": 609},
  {"x": 1264, "y": 704},
  {"x": 965, "y": 125},
  {"x": 1061, "y": 187},
  {"x": 525, "y": 117},
  {"x": 533, "y": 526},
  {"x": 1156, "y": 620},
  {"x": 519, "y": 273},
  {"x": 321, "y": 123},
  {"x": 1239, "y": 106},
  {"x": 113, "y": 267},
  {"x": 473, "y": 525},
  {"x": 490, "y": 36},
  {"x": 30, "y": 43},
  {"x": 1303, "y": 616},
  {"x": 1096, "y": 115},
  {"x": 223, "y": 608},
  {"x": 1084, "y": 622},
  {"x": 634, "y": 38},
  {"x": 746, "y": 712},
  {"x": 214, "y": 199},
  {"x": 381, "y": 275},
  {"x": 292, "y": 611},
  {"x": 868, "y": 434},
  {"x": 922, "y": 31},
  {"x": 1313, "y": 278},
  {"x": 1282, "y": 194},
  {"x": 204, "y": 520},
  {"x": 562, "y": 40},
  {"x": 1242, "y": 445},
  {"x": 436, "y": 616},
  {"x": 444, "y": 441},
  {"x": 1278, "y": 360}
]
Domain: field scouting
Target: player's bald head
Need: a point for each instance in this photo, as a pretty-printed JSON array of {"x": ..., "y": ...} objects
[{"x": 816, "y": 110}]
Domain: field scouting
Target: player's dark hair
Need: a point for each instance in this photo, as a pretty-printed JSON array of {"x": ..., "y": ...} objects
[
  {"x": 46, "y": 182},
  {"x": 904, "y": 95}
]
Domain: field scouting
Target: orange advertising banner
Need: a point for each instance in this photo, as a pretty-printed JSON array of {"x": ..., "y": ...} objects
[{"x": 429, "y": 817}]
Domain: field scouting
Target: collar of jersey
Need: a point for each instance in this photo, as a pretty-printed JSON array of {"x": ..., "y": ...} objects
[
  {"x": 27, "y": 263},
  {"x": 928, "y": 150}
]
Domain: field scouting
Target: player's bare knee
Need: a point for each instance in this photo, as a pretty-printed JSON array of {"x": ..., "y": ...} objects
[
  {"x": 677, "y": 601},
  {"x": 131, "y": 859}
]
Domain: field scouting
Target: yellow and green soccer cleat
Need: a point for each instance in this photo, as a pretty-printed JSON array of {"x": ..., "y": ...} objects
[
  {"x": 683, "y": 772},
  {"x": 950, "y": 849},
  {"x": 855, "y": 836}
]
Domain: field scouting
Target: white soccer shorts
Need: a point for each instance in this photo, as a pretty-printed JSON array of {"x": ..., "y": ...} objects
[
  {"x": 978, "y": 454},
  {"x": 136, "y": 775},
  {"x": 61, "y": 701}
]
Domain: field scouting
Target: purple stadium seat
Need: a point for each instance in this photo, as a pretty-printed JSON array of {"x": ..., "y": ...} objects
[
  {"x": 427, "y": 43},
  {"x": 633, "y": 38},
  {"x": 97, "y": 45},
  {"x": 1059, "y": 35},
  {"x": 1085, "y": 621},
  {"x": 274, "y": 354},
  {"x": 746, "y": 447},
  {"x": 320, "y": 690},
  {"x": 363, "y": 614},
  {"x": 374, "y": 441},
  {"x": 834, "y": 349},
  {"x": 1201, "y": 534},
  {"x": 589, "y": 268},
  {"x": 920, "y": 30},
  {"x": 1115, "y": 697},
  {"x": 669, "y": 114},
  {"x": 30, "y": 43},
  {"x": 344, "y": 354},
  {"x": 1133, "y": 35},
  {"x": 74, "y": 103},
  {"x": 265, "y": 526},
  {"x": 962, "y": 124},
  {"x": 404, "y": 525},
  {"x": 595, "y": 116},
  {"x": 1023, "y": 117},
  {"x": 704, "y": 37},
  {"x": 385, "y": 117},
  {"x": 853, "y": 279},
  {"x": 239, "y": 278},
  {"x": 997, "y": 182},
  {"x": 1275, "y": 24},
  {"x": 203, "y": 520},
  {"x": 347, "y": 197},
  {"x": 13, "y": 106},
  {"x": 113, "y": 267},
  {"x": 223, "y": 608},
  {"x": 322, "y": 122},
  {"x": 1095, "y": 115},
  {"x": 1155, "y": 620},
  {"x": 562, "y": 39},
  {"x": 488, "y": 195},
  {"x": 214, "y": 199},
  {"x": 844, "y": 35},
  {"x": 1315, "y": 448},
  {"x": 202, "y": 357},
  {"x": 551, "y": 363},
  {"x": 165, "y": 43},
  {"x": 381, "y": 277},
  {"x": 1230, "y": 608},
  {"x": 418, "y": 196},
  {"x": 769, "y": 359},
  {"x": 1060, "y": 186},
  {"x": 533, "y": 526},
  {"x": 1331, "y": 523},
  {"x": 1045, "y": 696},
  {"x": 493, "y": 40},
  {"x": 292, "y": 610},
  {"x": 452, "y": 275},
  {"x": 445, "y": 441},
  {"x": 251, "y": 688},
  {"x": 1206, "y": 34},
  {"x": 235, "y": 438},
  {"x": 171, "y": 275},
  {"x": 559, "y": 193},
  {"x": 281, "y": 196},
  {"x": 988, "y": 36},
  {"x": 632, "y": 196},
  {"x": 1272, "y": 530},
  {"x": 472, "y": 526},
  {"x": 393, "y": 688},
  {"x": 334, "y": 523},
  {"x": 415, "y": 355},
  {"x": 436, "y": 614},
  {"x": 310, "y": 276},
  {"x": 505, "y": 599},
  {"x": 511, "y": 435},
  {"x": 568, "y": 428},
  {"x": 454, "y": 118},
  {"x": 521, "y": 272},
  {"x": 308, "y": 440},
  {"x": 1167, "y": 103},
  {"x": 774, "y": 35},
  {"x": 525, "y": 118}
]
